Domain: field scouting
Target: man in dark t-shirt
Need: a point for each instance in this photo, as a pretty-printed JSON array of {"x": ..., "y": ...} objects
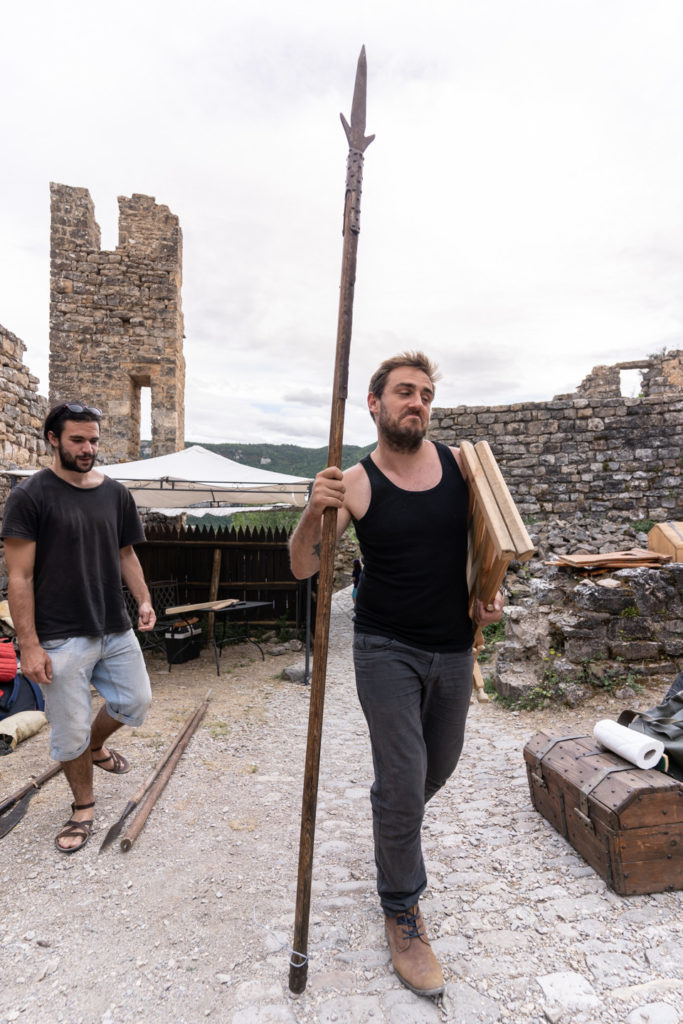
[
  {"x": 69, "y": 533},
  {"x": 413, "y": 636}
]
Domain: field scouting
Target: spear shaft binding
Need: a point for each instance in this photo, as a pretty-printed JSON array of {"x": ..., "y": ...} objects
[{"x": 358, "y": 143}]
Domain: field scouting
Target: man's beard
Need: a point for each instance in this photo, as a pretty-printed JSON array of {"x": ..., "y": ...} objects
[
  {"x": 72, "y": 464},
  {"x": 399, "y": 436}
]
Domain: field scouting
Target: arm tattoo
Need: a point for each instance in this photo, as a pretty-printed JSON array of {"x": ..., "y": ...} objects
[{"x": 317, "y": 550}]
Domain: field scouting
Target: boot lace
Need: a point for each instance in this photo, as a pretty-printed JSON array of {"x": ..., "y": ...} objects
[{"x": 410, "y": 923}]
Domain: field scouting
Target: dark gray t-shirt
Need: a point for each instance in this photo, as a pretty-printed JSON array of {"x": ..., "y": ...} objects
[{"x": 78, "y": 533}]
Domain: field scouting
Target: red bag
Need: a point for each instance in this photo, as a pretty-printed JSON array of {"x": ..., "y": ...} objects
[{"x": 8, "y": 662}]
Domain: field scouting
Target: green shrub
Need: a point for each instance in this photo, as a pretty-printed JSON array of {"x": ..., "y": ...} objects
[{"x": 492, "y": 635}]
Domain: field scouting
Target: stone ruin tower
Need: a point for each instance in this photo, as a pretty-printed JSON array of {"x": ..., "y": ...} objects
[{"x": 116, "y": 322}]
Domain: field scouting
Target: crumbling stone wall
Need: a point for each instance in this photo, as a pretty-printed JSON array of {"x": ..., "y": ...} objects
[
  {"x": 592, "y": 451},
  {"x": 116, "y": 322},
  {"x": 660, "y": 374},
  {"x": 22, "y": 411},
  {"x": 575, "y": 635}
]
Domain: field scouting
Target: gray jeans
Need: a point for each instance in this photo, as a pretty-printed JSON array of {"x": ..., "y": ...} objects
[{"x": 415, "y": 703}]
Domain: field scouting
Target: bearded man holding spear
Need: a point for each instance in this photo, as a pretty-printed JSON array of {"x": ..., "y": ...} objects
[
  {"x": 413, "y": 633},
  {"x": 413, "y": 636}
]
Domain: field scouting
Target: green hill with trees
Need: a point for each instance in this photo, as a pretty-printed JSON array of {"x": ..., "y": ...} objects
[{"x": 285, "y": 458}]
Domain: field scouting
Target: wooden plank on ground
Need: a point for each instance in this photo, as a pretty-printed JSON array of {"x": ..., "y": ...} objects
[
  {"x": 632, "y": 558},
  {"x": 212, "y": 606}
]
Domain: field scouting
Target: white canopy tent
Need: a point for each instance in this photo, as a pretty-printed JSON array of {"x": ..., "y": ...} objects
[{"x": 196, "y": 476}]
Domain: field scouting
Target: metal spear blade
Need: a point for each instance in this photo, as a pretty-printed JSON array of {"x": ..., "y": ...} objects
[
  {"x": 13, "y": 809},
  {"x": 115, "y": 831},
  {"x": 355, "y": 132},
  {"x": 12, "y": 818}
]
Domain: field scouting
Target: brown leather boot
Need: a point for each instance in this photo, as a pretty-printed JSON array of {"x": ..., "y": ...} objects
[{"x": 411, "y": 954}]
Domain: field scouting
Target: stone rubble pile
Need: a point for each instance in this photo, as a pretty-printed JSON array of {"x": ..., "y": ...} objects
[
  {"x": 591, "y": 534},
  {"x": 568, "y": 633}
]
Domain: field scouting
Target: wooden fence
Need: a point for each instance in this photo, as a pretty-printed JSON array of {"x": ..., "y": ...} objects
[{"x": 213, "y": 564}]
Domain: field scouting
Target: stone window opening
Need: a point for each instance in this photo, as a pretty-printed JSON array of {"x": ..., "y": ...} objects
[
  {"x": 145, "y": 421},
  {"x": 140, "y": 416},
  {"x": 631, "y": 383}
]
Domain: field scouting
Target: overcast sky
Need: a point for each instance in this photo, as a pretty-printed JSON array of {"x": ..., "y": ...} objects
[{"x": 522, "y": 211}]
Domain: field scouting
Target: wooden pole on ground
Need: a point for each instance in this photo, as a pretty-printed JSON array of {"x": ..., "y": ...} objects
[
  {"x": 164, "y": 772},
  {"x": 358, "y": 143},
  {"x": 189, "y": 726}
]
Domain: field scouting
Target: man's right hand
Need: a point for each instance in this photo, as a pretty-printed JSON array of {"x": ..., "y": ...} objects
[
  {"x": 327, "y": 492},
  {"x": 36, "y": 665},
  {"x": 304, "y": 545}
]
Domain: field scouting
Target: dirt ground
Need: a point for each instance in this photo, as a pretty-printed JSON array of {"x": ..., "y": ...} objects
[{"x": 195, "y": 922}]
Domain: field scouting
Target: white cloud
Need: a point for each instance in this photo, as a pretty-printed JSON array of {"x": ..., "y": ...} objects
[{"x": 522, "y": 203}]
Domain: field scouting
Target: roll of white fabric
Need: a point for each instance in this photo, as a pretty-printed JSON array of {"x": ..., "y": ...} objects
[
  {"x": 642, "y": 751},
  {"x": 16, "y": 728}
]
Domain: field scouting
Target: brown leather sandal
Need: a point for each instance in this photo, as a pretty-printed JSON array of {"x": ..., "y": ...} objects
[
  {"x": 120, "y": 765},
  {"x": 76, "y": 829}
]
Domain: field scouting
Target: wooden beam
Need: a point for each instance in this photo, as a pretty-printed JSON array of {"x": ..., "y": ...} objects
[{"x": 213, "y": 589}]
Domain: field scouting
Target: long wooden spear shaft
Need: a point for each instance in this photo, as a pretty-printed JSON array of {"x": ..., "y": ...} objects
[
  {"x": 115, "y": 830},
  {"x": 164, "y": 773},
  {"x": 358, "y": 143}
]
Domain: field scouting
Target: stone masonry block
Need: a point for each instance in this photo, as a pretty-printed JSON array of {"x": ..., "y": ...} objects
[{"x": 637, "y": 650}]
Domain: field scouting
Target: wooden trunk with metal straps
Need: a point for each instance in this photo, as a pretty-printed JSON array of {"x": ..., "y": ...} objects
[{"x": 627, "y": 822}]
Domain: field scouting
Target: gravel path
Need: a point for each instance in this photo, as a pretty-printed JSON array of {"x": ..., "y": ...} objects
[{"x": 194, "y": 923}]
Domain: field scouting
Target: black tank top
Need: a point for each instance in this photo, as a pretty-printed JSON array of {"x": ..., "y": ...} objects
[{"x": 414, "y": 545}]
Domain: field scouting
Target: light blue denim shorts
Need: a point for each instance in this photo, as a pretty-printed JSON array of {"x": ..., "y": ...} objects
[{"x": 114, "y": 665}]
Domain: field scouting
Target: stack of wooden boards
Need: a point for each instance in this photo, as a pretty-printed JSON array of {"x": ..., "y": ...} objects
[
  {"x": 497, "y": 535},
  {"x": 631, "y": 559},
  {"x": 664, "y": 544}
]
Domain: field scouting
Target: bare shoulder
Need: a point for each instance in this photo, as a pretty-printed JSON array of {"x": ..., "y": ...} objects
[
  {"x": 353, "y": 475},
  {"x": 456, "y": 455},
  {"x": 357, "y": 496}
]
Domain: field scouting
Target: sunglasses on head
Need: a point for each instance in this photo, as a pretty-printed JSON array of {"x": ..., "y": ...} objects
[
  {"x": 68, "y": 407},
  {"x": 76, "y": 407}
]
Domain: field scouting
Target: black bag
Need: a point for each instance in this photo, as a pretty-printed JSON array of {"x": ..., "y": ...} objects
[
  {"x": 665, "y": 723},
  {"x": 20, "y": 694},
  {"x": 675, "y": 687}
]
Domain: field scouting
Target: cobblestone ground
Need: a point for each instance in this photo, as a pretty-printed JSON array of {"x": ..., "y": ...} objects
[{"x": 195, "y": 922}]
